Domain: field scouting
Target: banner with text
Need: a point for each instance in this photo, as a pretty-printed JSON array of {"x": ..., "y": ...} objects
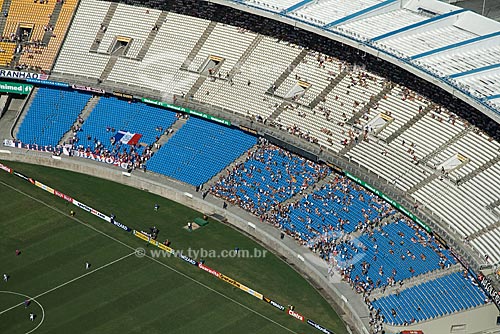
[{"x": 21, "y": 75}]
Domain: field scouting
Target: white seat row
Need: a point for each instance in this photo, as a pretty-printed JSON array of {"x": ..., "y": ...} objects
[
  {"x": 265, "y": 64},
  {"x": 401, "y": 107},
  {"x": 487, "y": 244},
  {"x": 463, "y": 207},
  {"x": 74, "y": 57},
  {"x": 129, "y": 21},
  {"x": 476, "y": 147},
  {"x": 160, "y": 68},
  {"x": 310, "y": 71},
  {"x": 225, "y": 41},
  {"x": 397, "y": 162}
]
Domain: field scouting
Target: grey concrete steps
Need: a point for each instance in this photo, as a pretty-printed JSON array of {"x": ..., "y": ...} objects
[
  {"x": 3, "y": 19},
  {"x": 373, "y": 101},
  {"x": 288, "y": 70},
  {"x": 196, "y": 86},
  {"x": 105, "y": 22},
  {"x": 108, "y": 68},
  {"x": 446, "y": 144},
  {"x": 241, "y": 159},
  {"x": 91, "y": 103},
  {"x": 424, "y": 182},
  {"x": 24, "y": 111},
  {"x": 298, "y": 196},
  {"x": 408, "y": 124},
  {"x": 197, "y": 47},
  {"x": 478, "y": 170},
  {"x": 167, "y": 135},
  {"x": 416, "y": 280},
  {"x": 245, "y": 55},
  {"x": 52, "y": 22},
  {"x": 152, "y": 35},
  {"x": 324, "y": 93},
  {"x": 278, "y": 111}
]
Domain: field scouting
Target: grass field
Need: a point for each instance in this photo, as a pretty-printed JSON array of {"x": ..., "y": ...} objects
[{"x": 122, "y": 293}]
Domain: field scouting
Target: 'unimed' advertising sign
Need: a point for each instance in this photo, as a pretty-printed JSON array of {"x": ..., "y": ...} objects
[{"x": 16, "y": 88}]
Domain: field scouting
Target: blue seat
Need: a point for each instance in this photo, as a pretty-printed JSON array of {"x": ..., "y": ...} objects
[
  {"x": 199, "y": 150},
  {"x": 442, "y": 296},
  {"x": 51, "y": 115}
]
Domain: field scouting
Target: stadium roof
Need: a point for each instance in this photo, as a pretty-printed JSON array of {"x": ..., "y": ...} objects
[{"x": 455, "y": 48}]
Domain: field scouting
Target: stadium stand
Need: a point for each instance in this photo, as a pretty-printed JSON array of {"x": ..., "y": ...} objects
[
  {"x": 51, "y": 114},
  {"x": 269, "y": 175},
  {"x": 443, "y": 296},
  {"x": 130, "y": 22},
  {"x": 112, "y": 115},
  {"x": 256, "y": 75},
  {"x": 74, "y": 57},
  {"x": 354, "y": 105},
  {"x": 6, "y": 52},
  {"x": 42, "y": 55},
  {"x": 325, "y": 124},
  {"x": 176, "y": 30},
  {"x": 337, "y": 207},
  {"x": 199, "y": 150},
  {"x": 390, "y": 253},
  {"x": 25, "y": 14}
]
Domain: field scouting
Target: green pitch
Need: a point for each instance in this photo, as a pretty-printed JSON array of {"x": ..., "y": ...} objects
[{"x": 122, "y": 293}]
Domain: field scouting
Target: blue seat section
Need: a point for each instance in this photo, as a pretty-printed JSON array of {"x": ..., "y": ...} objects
[
  {"x": 51, "y": 115},
  {"x": 269, "y": 176},
  {"x": 337, "y": 207},
  {"x": 393, "y": 252},
  {"x": 114, "y": 114},
  {"x": 439, "y": 297},
  {"x": 199, "y": 150}
]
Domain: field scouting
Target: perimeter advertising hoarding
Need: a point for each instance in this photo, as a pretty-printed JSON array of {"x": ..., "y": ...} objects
[
  {"x": 63, "y": 196},
  {"x": 273, "y": 303},
  {"x": 124, "y": 95},
  {"x": 5, "y": 168},
  {"x": 44, "y": 187},
  {"x": 295, "y": 315},
  {"x": 319, "y": 327},
  {"x": 188, "y": 259},
  {"x": 229, "y": 280},
  {"x": 145, "y": 237},
  {"x": 15, "y": 88},
  {"x": 186, "y": 110},
  {"x": 209, "y": 270}
]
